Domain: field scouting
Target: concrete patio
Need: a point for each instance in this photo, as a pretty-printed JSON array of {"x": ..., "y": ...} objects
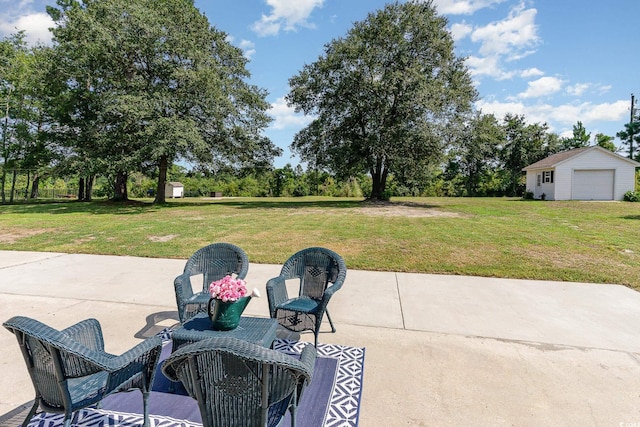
[{"x": 440, "y": 350}]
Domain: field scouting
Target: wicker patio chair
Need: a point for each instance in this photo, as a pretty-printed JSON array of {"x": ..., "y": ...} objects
[
  {"x": 213, "y": 262},
  {"x": 237, "y": 383},
  {"x": 70, "y": 369},
  {"x": 321, "y": 273}
]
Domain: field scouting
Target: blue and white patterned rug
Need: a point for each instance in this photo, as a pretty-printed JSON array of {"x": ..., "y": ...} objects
[
  {"x": 331, "y": 400},
  {"x": 346, "y": 389}
]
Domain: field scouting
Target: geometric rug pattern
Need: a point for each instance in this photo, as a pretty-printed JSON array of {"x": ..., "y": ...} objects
[
  {"x": 345, "y": 399},
  {"x": 91, "y": 417},
  {"x": 341, "y": 411}
]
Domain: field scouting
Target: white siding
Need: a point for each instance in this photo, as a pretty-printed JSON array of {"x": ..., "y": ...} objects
[
  {"x": 590, "y": 159},
  {"x": 173, "y": 191},
  {"x": 548, "y": 189},
  {"x": 531, "y": 182},
  {"x": 594, "y": 160},
  {"x": 563, "y": 183},
  {"x": 625, "y": 180},
  {"x": 624, "y": 173}
]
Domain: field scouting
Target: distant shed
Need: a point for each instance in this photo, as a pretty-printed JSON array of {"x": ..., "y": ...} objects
[
  {"x": 173, "y": 189},
  {"x": 588, "y": 173}
]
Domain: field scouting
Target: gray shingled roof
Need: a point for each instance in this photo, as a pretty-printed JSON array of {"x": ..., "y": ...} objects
[{"x": 554, "y": 159}]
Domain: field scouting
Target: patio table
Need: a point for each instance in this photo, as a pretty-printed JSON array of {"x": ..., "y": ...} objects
[{"x": 257, "y": 330}]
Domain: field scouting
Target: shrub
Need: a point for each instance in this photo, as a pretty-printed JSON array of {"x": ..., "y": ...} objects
[{"x": 632, "y": 196}]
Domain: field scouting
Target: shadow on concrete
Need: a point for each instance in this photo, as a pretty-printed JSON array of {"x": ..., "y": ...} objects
[
  {"x": 16, "y": 416},
  {"x": 157, "y": 322}
]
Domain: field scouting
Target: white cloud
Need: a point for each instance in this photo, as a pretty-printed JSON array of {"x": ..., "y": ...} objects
[
  {"x": 463, "y": 7},
  {"x": 542, "y": 87},
  {"x": 248, "y": 48},
  {"x": 460, "y": 31},
  {"x": 578, "y": 89},
  {"x": 608, "y": 111},
  {"x": 559, "y": 116},
  {"x": 531, "y": 72},
  {"x": 507, "y": 37},
  {"x": 35, "y": 25},
  {"x": 487, "y": 66},
  {"x": 506, "y": 40},
  {"x": 286, "y": 15},
  {"x": 286, "y": 117}
]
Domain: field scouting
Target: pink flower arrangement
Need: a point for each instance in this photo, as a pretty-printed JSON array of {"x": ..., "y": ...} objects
[{"x": 228, "y": 289}]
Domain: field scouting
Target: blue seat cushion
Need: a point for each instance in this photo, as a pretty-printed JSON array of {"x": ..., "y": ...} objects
[{"x": 301, "y": 305}]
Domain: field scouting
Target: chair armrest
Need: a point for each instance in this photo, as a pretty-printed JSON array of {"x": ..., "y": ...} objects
[
  {"x": 328, "y": 293},
  {"x": 81, "y": 360},
  {"x": 88, "y": 333},
  {"x": 142, "y": 352},
  {"x": 135, "y": 368},
  {"x": 182, "y": 285},
  {"x": 308, "y": 359},
  {"x": 276, "y": 293}
]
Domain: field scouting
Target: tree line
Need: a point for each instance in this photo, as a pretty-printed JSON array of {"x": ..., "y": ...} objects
[{"x": 130, "y": 90}]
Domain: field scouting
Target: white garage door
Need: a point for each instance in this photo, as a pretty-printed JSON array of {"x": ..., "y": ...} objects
[{"x": 593, "y": 184}]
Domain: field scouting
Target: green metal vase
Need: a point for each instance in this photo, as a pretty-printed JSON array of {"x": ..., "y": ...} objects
[{"x": 225, "y": 316}]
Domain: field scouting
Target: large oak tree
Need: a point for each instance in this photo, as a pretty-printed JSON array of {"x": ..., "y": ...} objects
[
  {"x": 386, "y": 97},
  {"x": 150, "y": 82}
]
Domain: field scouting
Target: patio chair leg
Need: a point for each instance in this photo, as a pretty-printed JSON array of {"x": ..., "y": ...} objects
[
  {"x": 31, "y": 412},
  {"x": 145, "y": 410},
  {"x": 293, "y": 409},
  {"x": 333, "y": 329},
  {"x": 68, "y": 417}
]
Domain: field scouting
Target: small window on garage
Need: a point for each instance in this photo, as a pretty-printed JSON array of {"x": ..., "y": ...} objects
[
  {"x": 539, "y": 180},
  {"x": 547, "y": 177}
]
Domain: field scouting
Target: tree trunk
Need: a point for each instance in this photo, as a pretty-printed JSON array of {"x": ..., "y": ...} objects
[
  {"x": 3, "y": 179},
  {"x": 120, "y": 187},
  {"x": 5, "y": 155},
  {"x": 13, "y": 185},
  {"x": 88, "y": 190},
  {"x": 162, "y": 180},
  {"x": 81, "y": 189},
  {"x": 35, "y": 187},
  {"x": 26, "y": 188},
  {"x": 376, "y": 187},
  {"x": 379, "y": 181}
]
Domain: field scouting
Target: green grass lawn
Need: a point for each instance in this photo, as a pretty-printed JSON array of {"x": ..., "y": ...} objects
[{"x": 569, "y": 241}]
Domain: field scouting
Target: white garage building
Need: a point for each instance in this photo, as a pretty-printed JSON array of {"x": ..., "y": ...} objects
[{"x": 588, "y": 173}]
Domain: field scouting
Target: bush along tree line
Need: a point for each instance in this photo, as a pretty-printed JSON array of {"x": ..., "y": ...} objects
[{"x": 130, "y": 90}]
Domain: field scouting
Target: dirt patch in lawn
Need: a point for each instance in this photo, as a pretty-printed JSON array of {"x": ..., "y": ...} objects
[
  {"x": 14, "y": 235},
  {"x": 161, "y": 239},
  {"x": 405, "y": 209},
  {"x": 386, "y": 209}
]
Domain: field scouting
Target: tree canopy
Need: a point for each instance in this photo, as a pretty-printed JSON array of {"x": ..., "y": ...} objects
[
  {"x": 629, "y": 136},
  {"x": 386, "y": 97},
  {"x": 145, "y": 83}
]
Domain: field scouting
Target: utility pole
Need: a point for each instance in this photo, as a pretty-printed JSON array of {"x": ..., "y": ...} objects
[{"x": 633, "y": 103}]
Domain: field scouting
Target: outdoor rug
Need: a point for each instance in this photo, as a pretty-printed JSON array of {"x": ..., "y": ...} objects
[{"x": 331, "y": 400}]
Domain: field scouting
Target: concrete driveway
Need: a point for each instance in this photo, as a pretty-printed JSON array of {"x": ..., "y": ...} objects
[{"x": 440, "y": 350}]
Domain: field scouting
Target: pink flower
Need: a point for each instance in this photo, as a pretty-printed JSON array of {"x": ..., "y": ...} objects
[{"x": 228, "y": 289}]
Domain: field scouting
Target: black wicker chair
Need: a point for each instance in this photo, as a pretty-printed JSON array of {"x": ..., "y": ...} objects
[
  {"x": 213, "y": 262},
  {"x": 321, "y": 273},
  {"x": 70, "y": 369},
  {"x": 237, "y": 383}
]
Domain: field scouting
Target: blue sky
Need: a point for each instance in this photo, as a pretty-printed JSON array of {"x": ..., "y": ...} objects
[{"x": 555, "y": 61}]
